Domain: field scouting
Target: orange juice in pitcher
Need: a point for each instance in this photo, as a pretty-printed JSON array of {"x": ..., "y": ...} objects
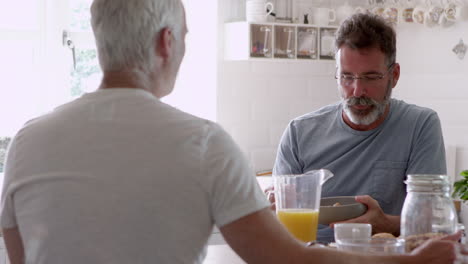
[
  {"x": 297, "y": 199},
  {"x": 301, "y": 223}
]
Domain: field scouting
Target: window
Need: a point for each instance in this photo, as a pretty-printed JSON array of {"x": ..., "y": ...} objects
[
  {"x": 38, "y": 73},
  {"x": 195, "y": 90},
  {"x": 21, "y": 54},
  {"x": 86, "y": 74}
]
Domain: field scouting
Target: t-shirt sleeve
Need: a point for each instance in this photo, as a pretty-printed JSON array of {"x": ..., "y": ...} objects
[
  {"x": 7, "y": 212},
  {"x": 287, "y": 161},
  {"x": 428, "y": 155},
  {"x": 234, "y": 191}
]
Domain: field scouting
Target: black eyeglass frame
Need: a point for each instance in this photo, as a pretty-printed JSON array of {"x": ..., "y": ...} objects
[{"x": 348, "y": 79}]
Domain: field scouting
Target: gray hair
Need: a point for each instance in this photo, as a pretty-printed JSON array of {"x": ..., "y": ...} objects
[
  {"x": 125, "y": 30},
  {"x": 362, "y": 31}
]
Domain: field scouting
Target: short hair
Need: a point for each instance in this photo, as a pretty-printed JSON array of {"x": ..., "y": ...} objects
[
  {"x": 125, "y": 30},
  {"x": 361, "y": 31}
]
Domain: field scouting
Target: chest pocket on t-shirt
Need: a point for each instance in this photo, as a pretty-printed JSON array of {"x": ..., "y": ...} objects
[{"x": 388, "y": 186}]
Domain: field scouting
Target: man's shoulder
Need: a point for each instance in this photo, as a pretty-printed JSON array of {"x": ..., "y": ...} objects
[
  {"x": 321, "y": 115},
  {"x": 409, "y": 110}
]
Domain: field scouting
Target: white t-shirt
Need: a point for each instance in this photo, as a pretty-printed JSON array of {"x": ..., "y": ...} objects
[{"x": 117, "y": 176}]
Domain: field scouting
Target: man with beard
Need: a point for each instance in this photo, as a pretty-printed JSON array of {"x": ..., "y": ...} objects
[{"x": 368, "y": 140}]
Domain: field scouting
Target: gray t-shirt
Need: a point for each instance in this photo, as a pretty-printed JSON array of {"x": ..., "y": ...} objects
[{"x": 373, "y": 162}]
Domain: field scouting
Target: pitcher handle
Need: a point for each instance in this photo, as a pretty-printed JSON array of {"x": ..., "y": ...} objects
[{"x": 326, "y": 174}]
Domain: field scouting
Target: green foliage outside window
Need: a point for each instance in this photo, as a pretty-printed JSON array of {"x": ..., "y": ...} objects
[
  {"x": 86, "y": 59},
  {"x": 86, "y": 66},
  {"x": 4, "y": 141}
]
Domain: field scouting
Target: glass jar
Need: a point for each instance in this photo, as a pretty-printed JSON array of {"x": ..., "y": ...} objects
[{"x": 428, "y": 207}]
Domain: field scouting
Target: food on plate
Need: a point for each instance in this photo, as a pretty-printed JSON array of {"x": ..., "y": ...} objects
[
  {"x": 383, "y": 235},
  {"x": 415, "y": 241},
  {"x": 336, "y": 204}
]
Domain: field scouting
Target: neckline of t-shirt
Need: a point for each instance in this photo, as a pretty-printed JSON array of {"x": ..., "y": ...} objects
[
  {"x": 368, "y": 132},
  {"x": 120, "y": 91}
]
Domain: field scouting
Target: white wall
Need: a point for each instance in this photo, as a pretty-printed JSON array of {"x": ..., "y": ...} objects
[
  {"x": 195, "y": 88},
  {"x": 256, "y": 99}
]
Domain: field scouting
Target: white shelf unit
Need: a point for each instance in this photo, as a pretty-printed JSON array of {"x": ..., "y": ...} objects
[{"x": 278, "y": 41}]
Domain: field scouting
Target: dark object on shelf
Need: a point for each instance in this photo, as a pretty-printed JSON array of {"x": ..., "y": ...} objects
[{"x": 271, "y": 14}]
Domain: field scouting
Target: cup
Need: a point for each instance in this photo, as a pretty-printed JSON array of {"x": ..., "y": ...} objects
[
  {"x": 298, "y": 201},
  {"x": 454, "y": 12},
  {"x": 432, "y": 16},
  {"x": 373, "y": 246},
  {"x": 378, "y": 10},
  {"x": 445, "y": 22},
  {"x": 323, "y": 16},
  {"x": 406, "y": 14},
  {"x": 256, "y": 10},
  {"x": 418, "y": 14},
  {"x": 390, "y": 14},
  {"x": 352, "y": 231}
]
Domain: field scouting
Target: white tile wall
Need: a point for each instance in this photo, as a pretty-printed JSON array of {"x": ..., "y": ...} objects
[{"x": 258, "y": 98}]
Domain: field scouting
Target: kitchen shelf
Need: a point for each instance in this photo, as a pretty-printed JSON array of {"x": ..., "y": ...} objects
[{"x": 278, "y": 41}]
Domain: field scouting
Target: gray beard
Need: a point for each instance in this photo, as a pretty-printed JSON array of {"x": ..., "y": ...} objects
[{"x": 365, "y": 117}]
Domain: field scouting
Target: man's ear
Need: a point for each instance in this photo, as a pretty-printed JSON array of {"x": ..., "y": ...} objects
[
  {"x": 164, "y": 42},
  {"x": 396, "y": 74}
]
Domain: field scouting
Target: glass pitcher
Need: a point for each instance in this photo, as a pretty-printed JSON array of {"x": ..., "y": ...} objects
[{"x": 298, "y": 202}]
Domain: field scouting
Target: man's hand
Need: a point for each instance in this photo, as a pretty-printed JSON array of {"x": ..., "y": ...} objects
[
  {"x": 380, "y": 221},
  {"x": 440, "y": 250}
]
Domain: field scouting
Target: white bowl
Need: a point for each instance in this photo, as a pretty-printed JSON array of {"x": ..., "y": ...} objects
[
  {"x": 348, "y": 208},
  {"x": 375, "y": 246}
]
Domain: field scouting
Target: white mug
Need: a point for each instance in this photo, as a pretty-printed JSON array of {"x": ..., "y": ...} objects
[
  {"x": 432, "y": 16},
  {"x": 390, "y": 14},
  {"x": 406, "y": 15},
  {"x": 454, "y": 12},
  {"x": 323, "y": 16},
  {"x": 256, "y": 10},
  {"x": 444, "y": 22}
]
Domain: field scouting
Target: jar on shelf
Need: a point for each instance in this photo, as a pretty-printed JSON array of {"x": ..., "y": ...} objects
[{"x": 428, "y": 208}]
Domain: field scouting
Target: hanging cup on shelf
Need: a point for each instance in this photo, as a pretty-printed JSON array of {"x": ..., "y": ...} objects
[
  {"x": 418, "y": 14},
  {"x": 256, "y": 10},
  {"x": 433, "y": 14},
  {"x": 455, "y": 11},
  {"x": 406, "y": 12}
]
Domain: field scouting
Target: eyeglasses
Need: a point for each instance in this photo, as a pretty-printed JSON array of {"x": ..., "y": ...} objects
[{"x": 347, "y": 79}]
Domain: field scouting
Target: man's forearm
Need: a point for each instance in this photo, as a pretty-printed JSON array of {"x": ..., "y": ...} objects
[
  {"x": 14, "y": 245},
  {"x": 394, "y": 224},
  {"x": 332, "y": 256}
]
